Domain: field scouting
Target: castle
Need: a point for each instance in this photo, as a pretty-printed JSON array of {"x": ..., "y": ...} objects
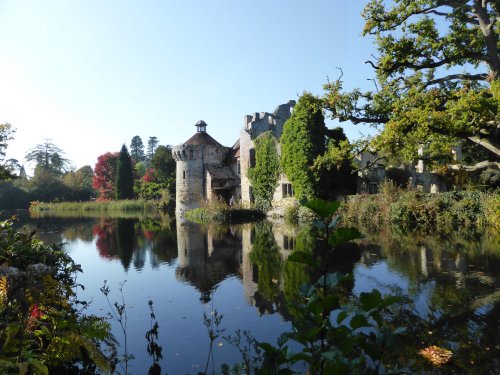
[{"x": 206, "y": 170}]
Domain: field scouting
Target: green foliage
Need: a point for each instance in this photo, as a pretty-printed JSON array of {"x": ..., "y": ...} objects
[
  {"x": 12, "y": 197},
  {"x": 433, "y": 87},
  {"x": 6, "y": 132},
  {"x": 265, "y": 255},
  {"x": 140, "y": 169},
  {"x": 264, "y": 176},
  {"x": 124, "y": 185},
  {"x": 335, "y": 338},
  {"x": 152, "y": 144},
  {"x": 137, "y": 149},
  {"x": 164, "y": 167},
  {"x": 302, "y": 141},
  {"x": 490, "y": 179},
  {"x": 136, "y": 205},
  {"x": 223, "y": 214},
  {"x": 442, "y": 212},
  {"x": 49, "y": 157},
  {"x": 41, "y": 326}
]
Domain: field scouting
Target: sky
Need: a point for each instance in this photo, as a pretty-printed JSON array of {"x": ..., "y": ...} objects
[{"x": 91, "y": 74}]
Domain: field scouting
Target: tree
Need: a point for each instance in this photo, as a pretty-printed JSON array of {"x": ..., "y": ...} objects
[
  {"x": 137, "y": 149},
  {"x": 6, "y": 132},
  {"x": 264, "y": 176},
  {"x": 124, "y": 185},
  {"x": 334, "y": 171},
  {"x": 164, "y": 166},
  {"x": 302, "y": 141},
  {"x": 152, "y": 144},
  {"x": 438, "y": 71},
  {"x": 105, "y": 175},
  {"x": 80, "y": 182},
  {"x": 49, "y": 157}
]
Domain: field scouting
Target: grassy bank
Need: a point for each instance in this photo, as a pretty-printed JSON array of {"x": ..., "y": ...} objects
[
  {"x": 441, "y": 212},
  {"x": 95, "y": 206},
  {"x": 221, "y": 213}
]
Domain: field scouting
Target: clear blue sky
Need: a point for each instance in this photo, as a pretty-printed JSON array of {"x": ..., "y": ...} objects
[{"x": 91, "y": 74}]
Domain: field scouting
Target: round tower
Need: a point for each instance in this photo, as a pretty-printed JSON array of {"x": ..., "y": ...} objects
[{"x": 191, "y": 159}]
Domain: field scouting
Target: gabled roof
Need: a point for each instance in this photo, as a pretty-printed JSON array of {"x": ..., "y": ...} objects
[{"x": 202, "y": 138}]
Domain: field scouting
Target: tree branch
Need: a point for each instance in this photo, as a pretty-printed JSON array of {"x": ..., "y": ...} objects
[
  {"x": 368, "y": 120},
  {"x": 430, "y": 64},
  {"x": 486, "y": 144},
  {"x": 467, "y": 77}
]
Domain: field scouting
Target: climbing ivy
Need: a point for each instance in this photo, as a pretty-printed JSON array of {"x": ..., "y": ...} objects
[
  {"x": 264, "y": 176},
  {"x": 302, "y": 141}
]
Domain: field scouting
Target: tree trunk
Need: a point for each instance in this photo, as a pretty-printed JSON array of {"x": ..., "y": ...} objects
[{"x": 490, "y": 38}]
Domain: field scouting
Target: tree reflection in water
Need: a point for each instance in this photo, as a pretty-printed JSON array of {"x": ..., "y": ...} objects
[{"x": 129, "y": 240}]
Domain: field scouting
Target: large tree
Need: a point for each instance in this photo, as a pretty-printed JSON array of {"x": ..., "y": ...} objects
[
  {"x": 164, "y": 165},
  {"x": 137, "y": 149},
  {"x": 48, "y": 157},
  {"x": 105, "y": 175},
  {"x": 152, "y": 145},
  {"x": 302, "y": 141},
  {"x": 437, "y": 73},
  {"x": 124, "y": 185}
]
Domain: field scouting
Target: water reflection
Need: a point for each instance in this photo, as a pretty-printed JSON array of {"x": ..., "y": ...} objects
[
  {"x": 207, "y": 255},
  {"x": 129, "y": 240},
  {"x": 451, "y": 285}
]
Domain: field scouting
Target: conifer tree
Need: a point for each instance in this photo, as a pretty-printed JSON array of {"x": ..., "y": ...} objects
[
  {"x": 124, "y": 185},
  {"x": 137, "y": 149}
]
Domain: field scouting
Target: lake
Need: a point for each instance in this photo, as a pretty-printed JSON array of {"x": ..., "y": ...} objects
[{"x": 451, "y": 286}]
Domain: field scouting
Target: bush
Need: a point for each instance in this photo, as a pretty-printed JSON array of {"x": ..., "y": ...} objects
[
  {"x": 409, "y": 210},
  {"x": 40, "y": 326}
]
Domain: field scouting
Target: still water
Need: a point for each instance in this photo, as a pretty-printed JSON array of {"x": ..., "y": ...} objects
[{"x": 451, "y": 286}]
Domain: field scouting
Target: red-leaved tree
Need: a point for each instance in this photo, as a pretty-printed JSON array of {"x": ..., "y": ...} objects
[{"x": 105, "y": 175}]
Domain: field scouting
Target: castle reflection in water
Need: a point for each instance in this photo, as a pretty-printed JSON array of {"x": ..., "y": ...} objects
[{"x": 209, "y": 254}]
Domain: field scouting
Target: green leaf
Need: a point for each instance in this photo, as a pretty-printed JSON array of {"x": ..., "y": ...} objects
[
  {"x": 359, "y": 321},
  {"x": 371, "y": 300},
  {"x": 343, "y": 235},
  {"x": 340, "y": 318},
  {"x": 302, "y": 257},
  {"x": 324, "y": 209},
  {"x": 333, "y": 279},
  {"x": 268, "y": 348},
  {"x": 330, "y": 302}
]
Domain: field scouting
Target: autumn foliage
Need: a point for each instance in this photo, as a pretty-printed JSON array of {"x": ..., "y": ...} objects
[{"x": 105, "y": 175}]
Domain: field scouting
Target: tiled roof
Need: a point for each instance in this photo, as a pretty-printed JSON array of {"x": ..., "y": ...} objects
[{"x": 202, "y": 138}]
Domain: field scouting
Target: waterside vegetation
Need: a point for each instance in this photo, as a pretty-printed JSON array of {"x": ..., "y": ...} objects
[
  {"x": 218, "y": 212},
  {"x": 410, "y": 210},
  {"x": 126, "y": 205},
  {"x": 44, "y": 327}
]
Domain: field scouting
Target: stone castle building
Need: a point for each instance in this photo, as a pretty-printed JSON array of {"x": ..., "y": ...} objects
[{"x": 207, "y": 170}]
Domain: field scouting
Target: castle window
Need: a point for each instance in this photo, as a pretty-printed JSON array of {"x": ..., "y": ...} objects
[
  {"x": 238, "y": 166},
  {"x": 287, "y": 190},
  {"x": 191, "y": 154},
  {"x": 183, "y": 175},
  {"x": 288, "y": 243},
  {"x": 252, "y": 158}
]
